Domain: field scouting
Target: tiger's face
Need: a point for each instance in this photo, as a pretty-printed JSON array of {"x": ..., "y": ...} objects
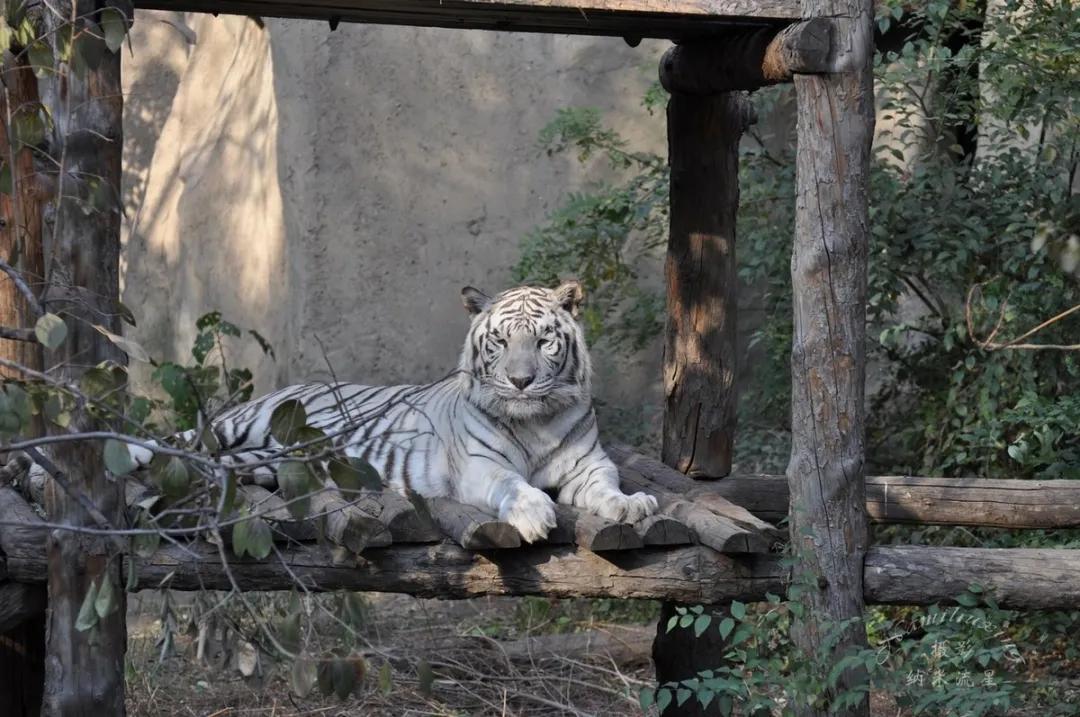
[{"x": 525, "y": 353}]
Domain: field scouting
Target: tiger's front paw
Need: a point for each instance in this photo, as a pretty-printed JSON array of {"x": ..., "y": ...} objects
[
  {"x": 531, "y": 511},
  {"x": 627, "y": 508}
]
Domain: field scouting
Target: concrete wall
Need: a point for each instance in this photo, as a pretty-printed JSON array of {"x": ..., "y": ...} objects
[{"x": 345, "y": 185}]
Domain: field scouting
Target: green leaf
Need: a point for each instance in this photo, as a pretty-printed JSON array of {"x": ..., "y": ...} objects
[
  {"x": 425, "y": 677},
  {"x": 173, "y": 477},
  {"x": 686, "y": 620},
  {"x": 701, "y": 624},
  {"x": 738, "y": 610},
  {"x": 286, "y": 421},
  {"x": 118, "y": 458},
  {"x": 252, "y": 536},
  {"x": 88, "y": 50},
  {"x": 726, "y": 626},
  {"x": 296, "y": 483},
  {"x": 646, "y": 698},
  {"x": 132, "y": 576},
  {"x": 663, "y": 698},
  {"x": 106, "y": 603},
  {"x": 145, "y": 544},
  {"x": 114, "y": 27},
  {"x": 204, "y": 344},
  {"x": 354, "y": 474},
  {"x": 41, "y": 58},
  {"x": 88, "y": 616},
  {"x": 125, "y": 314},
  {"x": 344, "y": 678},
  {"x": 50, "y": 330},
  {"x": 325, "y": 677},
  {"x": 682, "y": 695},
  {"x": 288, "y": 632},
  {"x": 139, "y": 410},
  {"x": 386, "y": 679},
  {"x": 303, "y": 676},
  {"x": 102, "y": 382},
  {"x": 228, "y": 503},
  {"x": 967, "y": 600},
  {"x": 353, "y": 610},
  {"x": 705, "y": 697}
]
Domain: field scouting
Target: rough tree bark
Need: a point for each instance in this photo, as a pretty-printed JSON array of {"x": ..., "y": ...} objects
[
  {"x": 828, "y": 520},
  {"x": 84, "y": 669},
  {"x": 699, "y": 354},
  {"x": 22, "y": 646}
]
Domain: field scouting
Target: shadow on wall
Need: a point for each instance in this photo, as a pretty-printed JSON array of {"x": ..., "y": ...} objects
[
  {"x": 342, "y": 187},
  {"x": 204, "y": 224}
]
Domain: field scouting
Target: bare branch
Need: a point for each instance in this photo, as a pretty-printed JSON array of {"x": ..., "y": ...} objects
[
  {"x": 20, "y": 283},
  {"x": 11, "y": 334},
  {"x": 989, "y": 344}
]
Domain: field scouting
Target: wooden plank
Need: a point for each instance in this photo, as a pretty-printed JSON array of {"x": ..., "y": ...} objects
[
  {"x": 717, "y": 531},
  {"x": 664, "y": 530},
  {"x": 20, "y": 602},
  {"x": 590, "y": 531},
  {"x": 21, "y": 531},
  {"x": 272, "y": 507},
  {"x": 660, "y": 477},
  {"x": 1036, "y": 579},
  {"x": 472, "y": 528},
  {"x": 346, "y": 524},
  {"x": 977, "y": 502},
  {"x": 619, "y": 18},
  {"x": 405, "y": 523}
]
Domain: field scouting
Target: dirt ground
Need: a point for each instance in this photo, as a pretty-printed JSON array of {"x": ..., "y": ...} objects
[{"x": 411, "y": 657}]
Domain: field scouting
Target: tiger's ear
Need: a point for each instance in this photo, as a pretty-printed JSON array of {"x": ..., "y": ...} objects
[
  {"x": 474, "y": 300},
  {"x": 570, "y": 296}
]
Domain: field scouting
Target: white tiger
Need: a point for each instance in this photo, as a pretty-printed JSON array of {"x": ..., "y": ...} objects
[{"x": 514, "y": 420}]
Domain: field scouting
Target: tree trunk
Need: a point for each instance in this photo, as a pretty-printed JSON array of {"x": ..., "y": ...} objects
[
  {"x": 22, "y": 646},
  {"x": 828, "y": 519},
  {"x": 699, "y": 356},
  {"x": 84, "y": 669}
]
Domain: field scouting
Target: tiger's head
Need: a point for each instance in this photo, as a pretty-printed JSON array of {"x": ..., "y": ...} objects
[{"x": 525, "y": 354}]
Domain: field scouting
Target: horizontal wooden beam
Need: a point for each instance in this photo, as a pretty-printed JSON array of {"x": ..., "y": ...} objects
[
  {"x": 672, "y": 19},
  {"x": 747, "y": 59},
  {"x": 976, "y": 502},
  {"x": 908, "y": 575}
]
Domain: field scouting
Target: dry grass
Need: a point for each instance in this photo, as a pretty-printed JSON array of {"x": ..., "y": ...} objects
[{"x": 472, "y": 674}]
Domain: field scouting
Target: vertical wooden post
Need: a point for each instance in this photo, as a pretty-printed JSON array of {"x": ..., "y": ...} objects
[
  {"x": 699, "y": 354},
  {"x": 22, "y": 647},
  {"x": 828, "y": 269},
  {"x": 84, "y": 669}
]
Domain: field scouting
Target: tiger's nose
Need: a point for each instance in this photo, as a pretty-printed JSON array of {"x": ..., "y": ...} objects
[{"x": 521, "y": 381}]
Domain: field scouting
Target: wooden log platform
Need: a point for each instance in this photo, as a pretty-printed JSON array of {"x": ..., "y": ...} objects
[
  {"x": 632, "y": 19},
  {"x": 586, "y": 557}
]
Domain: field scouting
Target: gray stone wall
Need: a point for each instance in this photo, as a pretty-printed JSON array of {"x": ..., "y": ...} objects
[{"x": 343, "y": 186}]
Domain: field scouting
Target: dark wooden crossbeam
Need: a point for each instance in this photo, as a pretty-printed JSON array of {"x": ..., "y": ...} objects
[{"x": 636, "y": 19}]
